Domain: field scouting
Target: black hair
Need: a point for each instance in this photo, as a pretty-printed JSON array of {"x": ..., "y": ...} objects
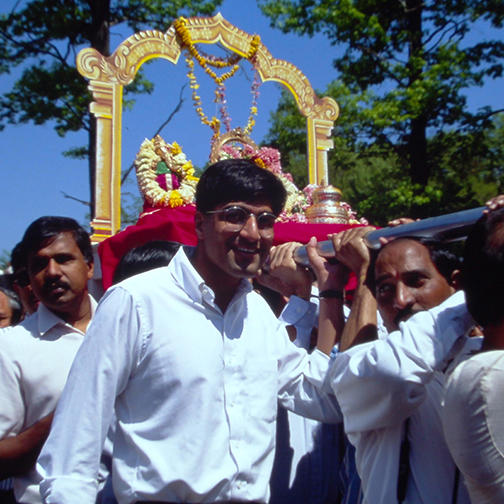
[
  {"x": 45, "y": 228},
  {"x": 6, "y": 286},
  {"x": 445, "y": 261},
  {"x": 483, "y": 269},
  {"x": 145, "y": 257},
  {"x": 19, "y": 266},
  {"x": 18, "y": 257},
  {"x": 238, "y": 180}
]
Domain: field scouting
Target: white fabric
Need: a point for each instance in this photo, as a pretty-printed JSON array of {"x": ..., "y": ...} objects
[
  {"x": 382, "y": 383},
  {"x": 303, "y": 315},
  {"x": 195, "y": 394},
  {"x": 35, "y": 358},
  {"x": 307, "y": 458},
  {"x": 473, "y": 419}
]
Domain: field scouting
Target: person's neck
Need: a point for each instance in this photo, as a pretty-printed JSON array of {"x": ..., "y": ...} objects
[
  {"x": 80, "y": 316},
  {"x": 223, "y": 286},
  {"x": 493, "y": 337}
]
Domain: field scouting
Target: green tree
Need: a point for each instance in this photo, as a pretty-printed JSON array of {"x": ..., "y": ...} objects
[
  {"x": 44, "y": 37},
  {"x": 468, "y": 166},
  {"x": 406, "y": 64}
]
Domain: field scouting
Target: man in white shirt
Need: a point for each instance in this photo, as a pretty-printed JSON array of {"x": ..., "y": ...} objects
[
  {"x": 473, "y": 409},
  {"x": 35, "y": 356},
  {"x": 390, "y": 389},
  {"x": 308, "y": 452},
  {"x": 193, "y": 362}
]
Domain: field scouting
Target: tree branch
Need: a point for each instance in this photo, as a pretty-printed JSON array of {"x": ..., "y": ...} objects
[{"x": 68, "y": 196}]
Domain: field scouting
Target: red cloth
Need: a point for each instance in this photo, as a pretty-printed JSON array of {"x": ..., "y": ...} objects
[{"x": 177, "y": 224}]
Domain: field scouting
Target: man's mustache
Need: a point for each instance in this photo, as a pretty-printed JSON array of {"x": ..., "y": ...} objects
[
  {"x": 403, "y": 314},
  {"x": 50, "y": 285}
]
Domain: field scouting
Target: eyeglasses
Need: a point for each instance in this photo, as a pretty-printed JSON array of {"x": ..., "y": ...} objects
[{"x": 237, "y": 217}]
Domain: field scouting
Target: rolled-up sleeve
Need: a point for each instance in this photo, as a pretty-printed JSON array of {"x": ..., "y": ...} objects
[
  {"x": 381, "y": 383},
  {"x": 302, "y": 382}
]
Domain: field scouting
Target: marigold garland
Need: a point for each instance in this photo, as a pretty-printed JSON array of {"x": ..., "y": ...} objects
[
  {"x": 205, "y": 61},
  {"x": 160, "y": 164}
]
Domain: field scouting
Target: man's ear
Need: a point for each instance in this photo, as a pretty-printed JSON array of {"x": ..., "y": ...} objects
[
  {"x": 198, "y": 225},
  {"x": 90, "y": 270},
  {"x": 457, "y": 280}
]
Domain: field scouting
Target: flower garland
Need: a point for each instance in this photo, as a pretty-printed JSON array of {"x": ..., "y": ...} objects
[
  {"x": 206, "y": 61},
  {"x": 297, "y": 201},
  {"x": 268, "y": 158},
  {"x": 165, "y": 176}
]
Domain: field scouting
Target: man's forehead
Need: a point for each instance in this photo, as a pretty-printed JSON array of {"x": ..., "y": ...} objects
[
  {"x": 248, "y": 205},
  {"x": 403, "y": 255},
  {"x": 60, "y": 241}
]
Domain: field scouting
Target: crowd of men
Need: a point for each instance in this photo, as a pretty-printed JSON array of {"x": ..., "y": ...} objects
[{"x": 227, "y": 373}]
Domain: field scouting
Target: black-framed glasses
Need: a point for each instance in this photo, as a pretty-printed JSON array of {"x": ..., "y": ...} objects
[{"x": 236, "y": 217}]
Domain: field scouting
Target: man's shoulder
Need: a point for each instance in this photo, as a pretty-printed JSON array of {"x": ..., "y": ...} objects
[{"x": 18, "y": 337}]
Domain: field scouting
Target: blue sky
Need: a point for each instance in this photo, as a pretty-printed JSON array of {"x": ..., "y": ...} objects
[{"x": 35, "y": 174}]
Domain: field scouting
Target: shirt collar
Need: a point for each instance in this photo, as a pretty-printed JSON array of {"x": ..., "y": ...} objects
[
  {"x": 192, "y": 282},
  {"x": 48, "y": 319}
]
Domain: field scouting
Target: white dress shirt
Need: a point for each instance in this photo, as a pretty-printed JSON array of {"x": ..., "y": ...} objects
[
  {"x": 473, "y": 419},
  {"x": 195, "y": 393},
  {"x": 382, "y": 383},
  {"x": 35, "y": 358},
  {"x": 308, "y": 451}
]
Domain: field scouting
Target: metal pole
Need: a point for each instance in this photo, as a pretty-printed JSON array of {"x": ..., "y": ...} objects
[{"x": 444, "y": 228}]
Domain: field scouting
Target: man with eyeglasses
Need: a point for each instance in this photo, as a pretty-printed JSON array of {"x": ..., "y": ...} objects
[{"x": 194, "y": 362}]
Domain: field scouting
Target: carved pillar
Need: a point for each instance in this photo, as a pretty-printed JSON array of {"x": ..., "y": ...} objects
[
  {"x": 108, "y": 75},
  {"x": 319, "y": 142},
  {"x": 106, "y": 107}
]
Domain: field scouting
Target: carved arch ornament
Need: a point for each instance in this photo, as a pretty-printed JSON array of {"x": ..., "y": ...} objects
[{"x": 108, "y": 75}]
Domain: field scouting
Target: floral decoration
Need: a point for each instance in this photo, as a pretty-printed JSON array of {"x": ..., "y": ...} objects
[
  {"x": 165, "y": 176},
  {"x": 297, "y": 201}
]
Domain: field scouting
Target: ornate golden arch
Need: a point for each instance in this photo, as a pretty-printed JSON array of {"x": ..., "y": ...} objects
[{"x": 108, "y": 75}]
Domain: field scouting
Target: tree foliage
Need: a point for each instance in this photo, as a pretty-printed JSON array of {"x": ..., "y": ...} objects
[
  {"x": 468, "y": 166},
  {"x": 43, "y": 38},
  {"x": 406, "y": 65}
]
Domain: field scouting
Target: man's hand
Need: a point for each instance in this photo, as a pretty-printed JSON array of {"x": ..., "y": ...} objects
[
  {"x": 494, "y": 203},
  {"x": 330, "y": 274},
  {"x": 400, "y": 221},
  {"x": 284, "y": 275},
  {"x": 351, "y": 249},
  {"x": 18, "y": 454}
]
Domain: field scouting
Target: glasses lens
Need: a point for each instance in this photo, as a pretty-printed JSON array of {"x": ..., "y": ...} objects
[
  {"x": 235, "y": 215},
  {"x": 265, "y": 220}
]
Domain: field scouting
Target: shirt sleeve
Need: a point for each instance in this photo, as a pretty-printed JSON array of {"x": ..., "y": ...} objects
[
  {"x": 302, "y": 315},
  {"x": 69, "y": 462},
  {"x": 381, "y": 383},
  {"x": 301, "y": 381},
  {"x": 472, "y": 421},
  {"x": 12, "y": 411}
]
